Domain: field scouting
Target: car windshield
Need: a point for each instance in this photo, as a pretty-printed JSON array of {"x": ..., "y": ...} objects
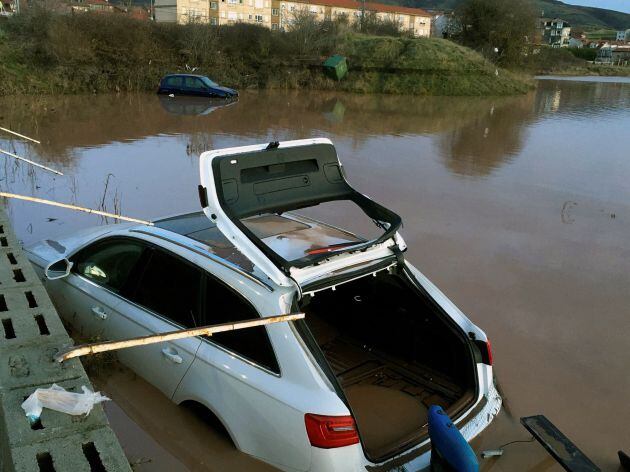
[{"x": 209, "y": 82}]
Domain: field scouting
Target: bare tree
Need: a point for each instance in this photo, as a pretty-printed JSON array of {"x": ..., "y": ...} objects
[{"x": 498, "y": 28}]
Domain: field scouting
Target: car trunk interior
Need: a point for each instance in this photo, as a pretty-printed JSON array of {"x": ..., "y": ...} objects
[{"x": 394, "y": 354}]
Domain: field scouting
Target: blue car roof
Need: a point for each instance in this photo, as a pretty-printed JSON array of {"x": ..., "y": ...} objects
[{"x": 183, "y": 75}]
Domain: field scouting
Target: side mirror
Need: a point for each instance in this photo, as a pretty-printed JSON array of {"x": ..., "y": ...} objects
[{"x": 58, "y": 269}]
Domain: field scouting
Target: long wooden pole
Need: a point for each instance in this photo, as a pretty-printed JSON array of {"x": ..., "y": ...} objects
[
  {"x": 20, "y": 135},
  {"x": 74, "y": 207},
  {"x": 94, "y": 348},
  {"x": 15, "y": 156}
]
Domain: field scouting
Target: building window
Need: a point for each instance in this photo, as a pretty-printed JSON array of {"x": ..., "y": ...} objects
[
  {"x": 259, "y": 18},
  {"x": 214, "y": 21},
  {"x": 274, "y": 26},
  {"x": 214, "y": 5},
  {"x": 274, "y": 12}
]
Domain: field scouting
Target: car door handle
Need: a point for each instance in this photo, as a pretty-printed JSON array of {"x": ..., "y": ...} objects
[
  {"x": 99, "y": 312},
  {"x": 172, "y": 355}
]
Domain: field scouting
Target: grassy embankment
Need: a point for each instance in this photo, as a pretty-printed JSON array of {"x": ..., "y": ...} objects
[
  {"x": 554, "y": 61},
  {"x": 45, "y": 53}
]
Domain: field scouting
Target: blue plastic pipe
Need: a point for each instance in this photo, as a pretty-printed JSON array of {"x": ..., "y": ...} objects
[{"x": 449, "y": 443}]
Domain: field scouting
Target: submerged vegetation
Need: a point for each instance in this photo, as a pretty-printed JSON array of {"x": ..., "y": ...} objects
[{"x": 43, "y": 52}]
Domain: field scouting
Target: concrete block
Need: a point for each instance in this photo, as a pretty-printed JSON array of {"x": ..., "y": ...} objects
[
  {"x": 31, "y": 333},
  {"x": 31, "y": 299},
  {"x": 52, "y": 424},
  {"x": 20, "y": 329},
  {"x": 28, "y": 317},
  {"x": 7, "y": 237},
  {"x": 91, "y": 451},
  {"x": 27, "y": 366},
  {"x": 15, "y": 268}
]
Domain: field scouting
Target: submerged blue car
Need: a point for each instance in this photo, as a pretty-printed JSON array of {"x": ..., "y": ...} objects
[{"x": 193, "y": 85}]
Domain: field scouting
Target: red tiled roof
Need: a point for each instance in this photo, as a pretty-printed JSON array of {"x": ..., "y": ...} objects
[{"x": 369, "y": 6}]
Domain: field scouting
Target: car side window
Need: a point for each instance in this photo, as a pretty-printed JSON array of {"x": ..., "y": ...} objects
[
  {"x": 174, "y": 81},
  {"x": 190, "y": 82},
  {"x": 108, "y": 263},
  {"x": 170, "y": 287},
  {"x": 222, "y": 305}
]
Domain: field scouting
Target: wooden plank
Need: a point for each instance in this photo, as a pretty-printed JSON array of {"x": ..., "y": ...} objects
[
  {"x": 19, "y": 135},
  {"x": 74, "y": 207},
  {"x": 94, "y": 348},
  {"x": 28, "y": 161}
]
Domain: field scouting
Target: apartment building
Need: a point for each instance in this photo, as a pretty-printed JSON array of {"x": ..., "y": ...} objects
[
  {"x": 414, "y": 20},
  {"x": 555, "y": 32},
  {"x": 278, "y": 14}
]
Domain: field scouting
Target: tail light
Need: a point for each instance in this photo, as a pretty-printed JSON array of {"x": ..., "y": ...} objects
[
  {"x": 486, "y": 351},
  {"x": 329, "y": 432}
]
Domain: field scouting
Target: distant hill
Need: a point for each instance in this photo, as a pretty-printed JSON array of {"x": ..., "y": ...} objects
[{"x": 582, "y": 17}]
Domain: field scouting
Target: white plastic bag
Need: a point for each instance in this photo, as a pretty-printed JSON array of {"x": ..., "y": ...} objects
[{"x": 59, "y": 399}]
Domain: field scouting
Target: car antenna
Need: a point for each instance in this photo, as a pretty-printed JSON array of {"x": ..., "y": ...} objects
[{"x": 74, "y": 207}]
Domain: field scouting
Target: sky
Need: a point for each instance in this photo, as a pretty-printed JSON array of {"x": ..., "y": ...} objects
[{"x": 619, "y": 5}]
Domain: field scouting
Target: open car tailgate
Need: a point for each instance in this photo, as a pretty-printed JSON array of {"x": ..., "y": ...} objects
[{"x": 242, "y": 182}]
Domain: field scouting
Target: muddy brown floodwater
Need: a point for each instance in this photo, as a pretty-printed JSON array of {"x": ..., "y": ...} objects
[{"x": 517, "y": 208}]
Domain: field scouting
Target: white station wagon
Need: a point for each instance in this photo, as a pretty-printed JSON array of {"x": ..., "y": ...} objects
[{"x": 345, "y": 389}]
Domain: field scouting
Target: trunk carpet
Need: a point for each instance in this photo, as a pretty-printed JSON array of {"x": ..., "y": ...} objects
[{"x": 389, "y": 399}]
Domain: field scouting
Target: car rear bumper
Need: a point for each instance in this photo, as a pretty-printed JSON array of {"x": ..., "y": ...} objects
[{"x": 471, "y": 423}]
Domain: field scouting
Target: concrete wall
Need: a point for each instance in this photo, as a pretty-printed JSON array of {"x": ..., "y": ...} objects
[
  {"x": 31, "y": 332},
  {"x": 165, "y": 11}
]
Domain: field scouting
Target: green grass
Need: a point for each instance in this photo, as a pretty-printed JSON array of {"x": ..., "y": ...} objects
[
  {"x": 44, "y": 53},
  {"x": 425, "y": 66},
  {"x": 602, "y": 34}
]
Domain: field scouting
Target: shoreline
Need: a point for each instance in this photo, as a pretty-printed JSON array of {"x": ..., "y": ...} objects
[{"x": 90, "y": 54}]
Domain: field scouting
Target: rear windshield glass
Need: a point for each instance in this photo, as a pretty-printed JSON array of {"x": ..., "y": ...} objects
[
  {"x": 209, "y": 82},
  {"x": 301, "y": 235}
]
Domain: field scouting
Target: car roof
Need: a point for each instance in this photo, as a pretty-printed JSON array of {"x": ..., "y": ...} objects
[
  {"x": 290, "y": 234},
  {"x": 184, "y": 75}
]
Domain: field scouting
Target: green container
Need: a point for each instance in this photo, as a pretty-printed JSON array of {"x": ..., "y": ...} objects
[{"x": 336, "y": 67}]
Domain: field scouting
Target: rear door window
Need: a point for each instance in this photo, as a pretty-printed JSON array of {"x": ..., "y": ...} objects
[
  {"x": 170, "y": 287},
  {"x": 175, "y": 82},
  {"x": 193, "y": 83},
  {"x": 223, "y": 305},
  {"x": 109, "y": 263}
]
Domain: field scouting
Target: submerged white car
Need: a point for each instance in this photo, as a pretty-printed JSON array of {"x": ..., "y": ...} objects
[{"x": 345, "y": 389}]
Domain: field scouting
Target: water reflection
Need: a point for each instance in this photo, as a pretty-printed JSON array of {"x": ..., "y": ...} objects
[
  {"x": 192, "y": 105},
  {"x": 493, "y": 138},
  {"x": 67, "y": 124},
  {"x": 585, "y": 100}
]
